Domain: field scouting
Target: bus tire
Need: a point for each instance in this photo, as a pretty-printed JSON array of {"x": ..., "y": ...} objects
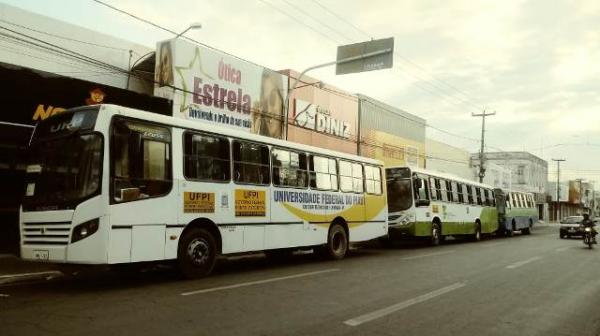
[
  {"x": 477, "y": 234},
  {"x": 436, "y": 234},
  {"x": 196, "y": 253},
  {"x": 337, "y": 243}
]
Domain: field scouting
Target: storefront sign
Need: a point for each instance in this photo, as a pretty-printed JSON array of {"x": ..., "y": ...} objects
[{"x": 320, "y": 119}]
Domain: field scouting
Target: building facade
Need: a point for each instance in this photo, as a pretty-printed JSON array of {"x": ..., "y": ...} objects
[
  {"x": 389, "y": 134},
  {"x": 529, "y": 173},
  {"x": 448, "y": 159},
  {"x": 575, "y": 197}
]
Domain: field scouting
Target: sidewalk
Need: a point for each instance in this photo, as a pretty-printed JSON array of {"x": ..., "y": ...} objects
[{"x": 13, "y": 269}]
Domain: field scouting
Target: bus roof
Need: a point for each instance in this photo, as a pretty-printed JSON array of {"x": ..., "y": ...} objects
[
  {"x": 444, "y": 176},
  {"x": 215, "y": 129}
]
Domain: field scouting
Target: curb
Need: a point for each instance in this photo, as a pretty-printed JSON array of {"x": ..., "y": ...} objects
[{"x": 7, "y": 279}]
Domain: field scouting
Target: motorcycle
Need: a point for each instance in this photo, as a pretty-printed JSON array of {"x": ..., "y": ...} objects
[{"x": 588, "y": 238}]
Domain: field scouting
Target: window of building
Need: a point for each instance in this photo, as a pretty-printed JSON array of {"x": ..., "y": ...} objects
[
  {"x": 206, "y": 157},
  {"x": 323, "y": 173},
  {"x": 373, "y": 180},
  {"x": 140, "y": 160},
  {"x": 289, "y": 168},
  {"x": 250, "y": 163}
]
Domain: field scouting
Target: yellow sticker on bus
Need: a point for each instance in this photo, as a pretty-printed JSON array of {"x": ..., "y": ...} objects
[
  {"x": 198, "y": 202},
  {"x": 250, "y": 203}
]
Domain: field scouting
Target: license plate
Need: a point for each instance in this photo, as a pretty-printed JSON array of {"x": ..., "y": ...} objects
[
  {"x": 572, "y": 230},
  {"x": 40, "y": 255}
]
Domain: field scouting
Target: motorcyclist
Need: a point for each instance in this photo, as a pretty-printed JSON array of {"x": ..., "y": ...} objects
[{"x": 587, "y": 222}]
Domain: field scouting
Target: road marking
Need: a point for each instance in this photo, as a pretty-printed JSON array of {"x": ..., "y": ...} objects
[
  {"x": 258, "y": 282},
  {"x": 524, "y": 262},
  {"x": 428, "y": 255},
  {"x": 562, "y": 249},
  {"x": 4, "y": 295},
  {"x": 399, "y": 306}
]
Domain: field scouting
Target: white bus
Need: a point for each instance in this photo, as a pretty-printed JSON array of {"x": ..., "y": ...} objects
[
  {"x": 111, "y": 185},
  {"x": 424, "y": 203}
]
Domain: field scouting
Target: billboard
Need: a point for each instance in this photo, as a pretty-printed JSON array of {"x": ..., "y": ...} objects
[{"x": 216, "y": 88}]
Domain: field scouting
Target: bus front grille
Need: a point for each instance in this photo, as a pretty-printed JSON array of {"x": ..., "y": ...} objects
[{"x": 56, "y": 233}]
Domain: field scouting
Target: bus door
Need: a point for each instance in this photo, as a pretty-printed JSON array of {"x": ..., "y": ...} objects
[{"x": 143, "y": 195}]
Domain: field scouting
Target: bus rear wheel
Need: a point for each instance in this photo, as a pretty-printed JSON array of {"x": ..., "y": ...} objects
[
  {"x": 197, "y": 253},
  {"x": 436, "y": 234},
  {"x": 477, "y": 234},
  {"x": 337, "y": 243}
]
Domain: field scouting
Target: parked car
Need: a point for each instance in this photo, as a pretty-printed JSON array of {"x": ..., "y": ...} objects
[{"x": 570, "y": 226}]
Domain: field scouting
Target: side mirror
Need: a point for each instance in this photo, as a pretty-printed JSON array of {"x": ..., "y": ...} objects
[{"x": 422, "y": 202}]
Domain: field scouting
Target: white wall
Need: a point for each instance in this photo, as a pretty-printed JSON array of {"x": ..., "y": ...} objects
[
  {"x": 28, "y": 26},
  {"x": 447, "y": 159}
]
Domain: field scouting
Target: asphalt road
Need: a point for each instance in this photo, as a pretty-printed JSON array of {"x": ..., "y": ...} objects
[{"x": 524, "y": 285}]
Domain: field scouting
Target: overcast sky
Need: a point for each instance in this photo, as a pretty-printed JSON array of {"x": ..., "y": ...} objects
[{"x": 536, "y": 63}]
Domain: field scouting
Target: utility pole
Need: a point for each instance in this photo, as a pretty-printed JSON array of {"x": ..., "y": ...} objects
[
  {"x": 558, "y": 161},
  {"x": 481, "y": 153}
]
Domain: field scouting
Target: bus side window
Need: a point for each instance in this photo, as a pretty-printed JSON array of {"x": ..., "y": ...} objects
[
  {"x": 421, "y": 187},
  {"x": 449, "y": 191},
  {"x": 140, "y": 160},
  {"x": 438, "y": 189},
  {"x": 345, "y": 176},
  {"x": 519, "y": 200},
  {"x": 469, "y": 194},
  {"x": 433, "y": 189},
  {"x": 206, "y": 157},
  {"x": 459, "y": 191},
  {"x": 372, "y": 179},
  {"x": 251, "y": 163},
  {"x": 289, "y": 168},
  {"x": 357, "y": 178},
  {"x": 323, "y": 173}
]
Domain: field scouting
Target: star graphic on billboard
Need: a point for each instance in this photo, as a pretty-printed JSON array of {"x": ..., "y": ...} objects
[{"x": 195, "y": 66}]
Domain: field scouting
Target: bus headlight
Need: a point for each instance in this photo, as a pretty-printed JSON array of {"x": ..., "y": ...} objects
[{"x": 85, "y": 230}]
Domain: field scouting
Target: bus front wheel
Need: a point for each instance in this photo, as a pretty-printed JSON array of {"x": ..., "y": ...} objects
[{"x": 197, "y": 253}]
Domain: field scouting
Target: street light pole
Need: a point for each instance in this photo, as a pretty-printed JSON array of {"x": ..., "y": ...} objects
[
  {"x": 558, "y": 161},
  {"x": 195, "y": 25}
]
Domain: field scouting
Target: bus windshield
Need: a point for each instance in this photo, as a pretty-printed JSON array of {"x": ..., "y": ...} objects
[
  {"x": 64, "y": 165},
  {"x": 399, "y": 194}
]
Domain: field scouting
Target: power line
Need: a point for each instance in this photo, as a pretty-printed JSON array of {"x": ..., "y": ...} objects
[
  {"x": 298, "y": 21},
  {"x": 341, "y": 18},
  {"x": 405, "y": 59},
  {"x": 64, "y": 37},
  {"x": 291, "y": 4}
]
